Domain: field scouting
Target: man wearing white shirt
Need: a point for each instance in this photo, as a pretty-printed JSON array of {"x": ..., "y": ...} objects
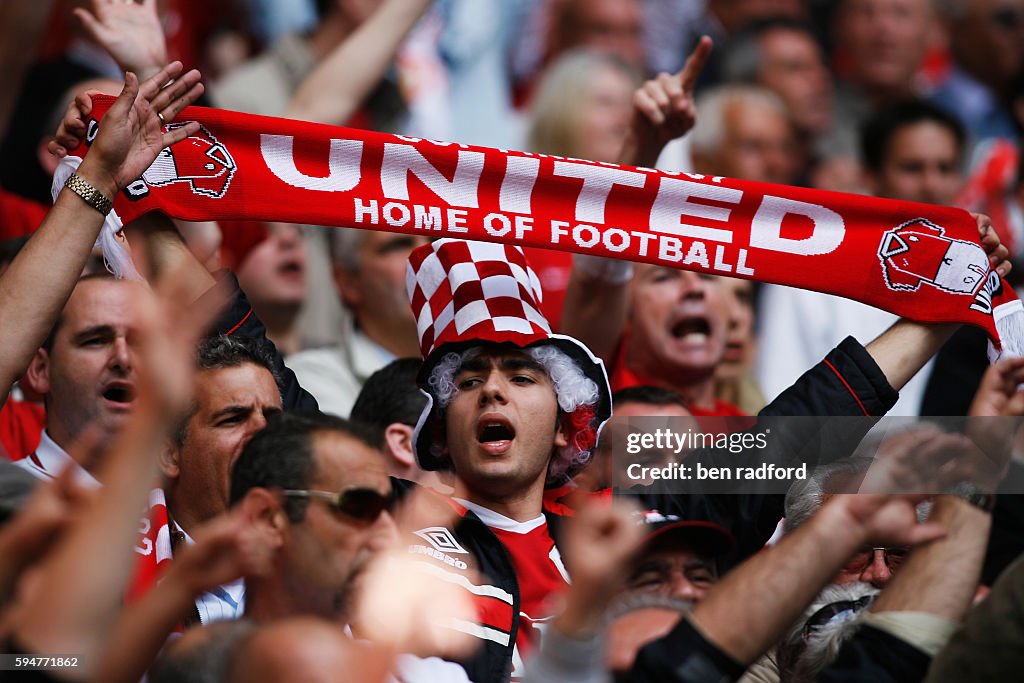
[
  {"x": 85, "y": 373},
  {"x": 49, "y": 459},
  {"x": 235, "y": 392},
  {"x": 369, "y": 273}
]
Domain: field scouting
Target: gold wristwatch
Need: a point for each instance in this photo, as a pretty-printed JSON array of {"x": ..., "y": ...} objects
[{"x": 89, "y": 194}]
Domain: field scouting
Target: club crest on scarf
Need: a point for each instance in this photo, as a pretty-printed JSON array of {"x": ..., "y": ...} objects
[
  {"x": 919, "y": 252},
  {"x": 200, "y": 160}
]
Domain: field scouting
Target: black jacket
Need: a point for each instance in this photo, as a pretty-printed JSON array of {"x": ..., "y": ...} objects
[
  {"x": 239, "y": 320},
  {"x": 847, "y": 385}
]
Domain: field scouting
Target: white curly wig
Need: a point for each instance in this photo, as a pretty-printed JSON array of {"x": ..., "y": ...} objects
[{"x": 576, "y": 394}]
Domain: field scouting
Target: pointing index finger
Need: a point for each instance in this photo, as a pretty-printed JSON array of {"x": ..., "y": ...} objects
[{"x": 695, "y": 63}]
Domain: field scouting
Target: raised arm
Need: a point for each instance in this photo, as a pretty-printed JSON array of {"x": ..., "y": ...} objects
[
  {"x": 226, "y": 548},
  {"x": 167, "y": 252},
  {"x": 35, "y": 287},
  {"x": 337, "y": 87},
  {"x": 940, "y": 578},
  {"x": 599, "y": 544},
  {"x": 597, "y": 296},
  {"x": 129, "y": 31},
  {"x": 56, "y": 614},
  {"x": 777, "y": 584},
  {"x": 597, "y": 303},
  {"x": 663, "y": 110},
  {"x": 991, "y": 640}
]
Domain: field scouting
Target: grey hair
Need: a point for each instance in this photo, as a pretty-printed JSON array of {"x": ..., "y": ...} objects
[
  {"x": 573, "y": 390},
  {"x": 805, "y": 496},
  {"x": 345, "y": 244},
  {"x": 709, "y": 131},
  {"x": 800, "y": 660},
  {"x": 558, "y": 105},
  {"x": 441, "y": 382}
]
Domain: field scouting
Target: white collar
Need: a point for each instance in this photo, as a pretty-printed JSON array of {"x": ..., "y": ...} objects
[
  {"x": 367, "y": 355},
  {"x": 51, "y": 459},
  {"x": 497, "y": 520},
  {"x": 211, "y": 604}
]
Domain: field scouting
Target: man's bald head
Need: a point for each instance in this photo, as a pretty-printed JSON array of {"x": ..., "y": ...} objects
[{"x": 306, "y": 650}]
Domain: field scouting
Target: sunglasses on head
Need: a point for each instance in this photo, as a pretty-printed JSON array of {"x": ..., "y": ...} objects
[{"x": 360, "y": 504}]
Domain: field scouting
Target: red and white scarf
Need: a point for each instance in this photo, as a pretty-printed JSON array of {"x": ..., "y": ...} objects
[
  {"x": 153, "y": 546},
  {"x": 915, "y": 260}
]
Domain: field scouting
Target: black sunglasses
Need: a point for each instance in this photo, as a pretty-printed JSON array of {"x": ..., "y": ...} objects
[{"x": 360, "y": 504}]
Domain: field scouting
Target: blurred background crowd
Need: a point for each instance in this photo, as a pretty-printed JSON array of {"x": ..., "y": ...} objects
[{"x": 786, "y": 96}]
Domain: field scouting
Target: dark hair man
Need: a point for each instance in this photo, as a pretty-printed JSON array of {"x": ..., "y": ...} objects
[{"x": 318, "y": 490}]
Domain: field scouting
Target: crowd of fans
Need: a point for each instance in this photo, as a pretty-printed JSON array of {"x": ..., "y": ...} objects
[{"x": 254, "y": 465}]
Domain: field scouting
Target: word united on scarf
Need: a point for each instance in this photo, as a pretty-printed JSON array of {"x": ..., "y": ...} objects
[{"x": 915, "y": 260}]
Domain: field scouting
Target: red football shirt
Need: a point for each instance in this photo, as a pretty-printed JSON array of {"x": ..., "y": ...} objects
[
  {"x": 539, "y": 571},
  {"x": 21, "y": 423}
]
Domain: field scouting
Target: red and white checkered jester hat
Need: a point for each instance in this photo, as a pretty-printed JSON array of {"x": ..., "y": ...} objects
[{"x": 465, "y": 293}]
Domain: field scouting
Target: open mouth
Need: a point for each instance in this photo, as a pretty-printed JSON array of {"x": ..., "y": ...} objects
[
  {"x": 290, "y": 268},
  {"x": 119, "y": 392},
  {"x": 692, "y": 329},
  {"x": 490, "y": 433},
  {"x": 495, "y": 434}
]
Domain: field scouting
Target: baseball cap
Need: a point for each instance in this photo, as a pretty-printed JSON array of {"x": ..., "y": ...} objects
[{"x": 711, "y": 538}]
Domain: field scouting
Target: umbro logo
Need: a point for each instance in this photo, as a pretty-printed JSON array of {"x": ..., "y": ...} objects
[{"x": 441, "y": 539}]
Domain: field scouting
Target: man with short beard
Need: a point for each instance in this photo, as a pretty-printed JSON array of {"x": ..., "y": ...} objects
[{"x": 318, "y": 490}]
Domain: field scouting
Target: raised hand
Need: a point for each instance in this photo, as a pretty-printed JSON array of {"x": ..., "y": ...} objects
[
  {"x": 129, "y": 31},
  {"x": 664, "y": 109},
  {"x": 53, "y": 506},
  {"x": 889, "y": 520},
  {"x": 923, "y": 459},
  {"x": 72, "y": 128},
  {"x": 226, "y": 548},
  {"x": 998, "y": 254},
  {"x": 600, "y": 542},
  {"x": 999, "y": 394},
  {"x": 132, "y": 132},
  {"x": 994, "y": 420}
]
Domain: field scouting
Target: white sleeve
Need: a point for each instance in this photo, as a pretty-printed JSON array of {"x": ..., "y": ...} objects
[{"x": 412, "y": 669}]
